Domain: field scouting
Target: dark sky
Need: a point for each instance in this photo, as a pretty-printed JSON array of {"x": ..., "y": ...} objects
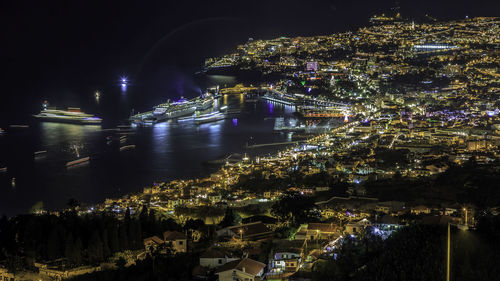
[{"x": 62, "y": 41}]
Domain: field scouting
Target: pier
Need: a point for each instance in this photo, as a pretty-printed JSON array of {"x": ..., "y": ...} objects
[{"x": 271, "y": 144}]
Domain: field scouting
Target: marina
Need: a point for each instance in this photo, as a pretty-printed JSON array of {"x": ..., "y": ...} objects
[{"x": 174, "y": 149}]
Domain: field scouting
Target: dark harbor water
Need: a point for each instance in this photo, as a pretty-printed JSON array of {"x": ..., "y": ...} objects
[{"x": 165, "y": 151}]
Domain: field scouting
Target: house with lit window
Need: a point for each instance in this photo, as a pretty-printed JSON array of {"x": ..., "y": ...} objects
[
  {"x": 316, "y": 231},
  {"x": 244, "y": 269},
  {"x": 213, "y": 258},
  {"x": 177, "y": 240},
  {"x": 248, "y": 231},
  {"x": 284, "y": 262},
  {"x": 152, "y": 243},
  {"x": 420, "y": 209},
  {"x": 354, "y": 228}
]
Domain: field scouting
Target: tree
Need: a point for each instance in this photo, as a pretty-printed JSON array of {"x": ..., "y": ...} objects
[
  {"x": 153, "y": 227},
  {"x": 69, "y": 248},
  {"x": 73, "y": 204},
  {"x": 124, "y": 244},
  {"x": 292, "y": 207},
  {"x": 121, "y": 262},
  {"x": 325, "y": 270},
  {"x": 37, "y": 207},
  {"x": 77, "y": 253},
  {"x": 135, "y": 235},
  {"x": 143, "y": 218},
  {"x": 114, "y": 242},
  {"x": 194, "y": 228},
  {"x": 106, "y": 251},
  {"x": 127, "y": 215},
  {"x": 53, "y": 248},
  {"x": 95, "y": 250},
  {"x": 230, "y": 218},
  {"x": 194, "y": 224}
]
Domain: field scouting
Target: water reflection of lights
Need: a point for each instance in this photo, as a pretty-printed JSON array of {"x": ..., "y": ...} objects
[
  {"x": 53, "y": 132},
  {"x": 97, "y": 96},
  {"x": 124, "y": 83},
  {"x": 161, "y": 137},
  {"x": 215, "y": 132},
  {"x": 72, "y": 138},
  {"x": 288, "y": 109}
]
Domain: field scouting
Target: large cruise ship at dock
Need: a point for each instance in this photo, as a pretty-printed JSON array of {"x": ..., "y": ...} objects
[{"x": 172, "y": 110}]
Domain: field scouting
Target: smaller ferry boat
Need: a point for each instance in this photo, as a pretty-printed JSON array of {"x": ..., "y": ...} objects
[
  {"x": 3, "y": 170},
  {"x": 78, "y": 162},
  {"x": 40, "y": 154},
  {"x": 127, "y": 147},
  {"x": 73, "y": 115},
  {"x": 209, "y": 117}
]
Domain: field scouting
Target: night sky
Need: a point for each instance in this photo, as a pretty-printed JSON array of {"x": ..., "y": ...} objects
[{"x": 47, "y": 45}]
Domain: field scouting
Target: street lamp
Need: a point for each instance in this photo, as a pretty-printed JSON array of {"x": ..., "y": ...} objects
[
  {"x": 461, "y": 227},
  {"x": 448, "y": 256}
]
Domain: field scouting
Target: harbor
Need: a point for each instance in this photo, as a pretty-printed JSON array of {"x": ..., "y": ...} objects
[{"x": 138, "y": 155}]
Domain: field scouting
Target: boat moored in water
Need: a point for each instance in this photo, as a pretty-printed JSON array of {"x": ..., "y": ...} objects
[
  {"x": 127, "y": 147},
  {"x": 40, "y": 154},
  {"x": 173, "y": 110},
  {"x": 80, "y": 161}
]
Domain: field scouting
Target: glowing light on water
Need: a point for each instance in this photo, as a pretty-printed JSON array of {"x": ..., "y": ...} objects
[
  {"x": 97, "y": 96},
  {"x": 124, "y": 83}
]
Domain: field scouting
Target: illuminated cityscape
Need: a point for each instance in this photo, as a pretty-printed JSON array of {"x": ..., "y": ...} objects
[{"x": 371, "y": 153}]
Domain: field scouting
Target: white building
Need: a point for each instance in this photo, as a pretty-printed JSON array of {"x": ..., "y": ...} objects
[
  {"x": 245, "y": 270},
  {"x": 213, "y": 258}
]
